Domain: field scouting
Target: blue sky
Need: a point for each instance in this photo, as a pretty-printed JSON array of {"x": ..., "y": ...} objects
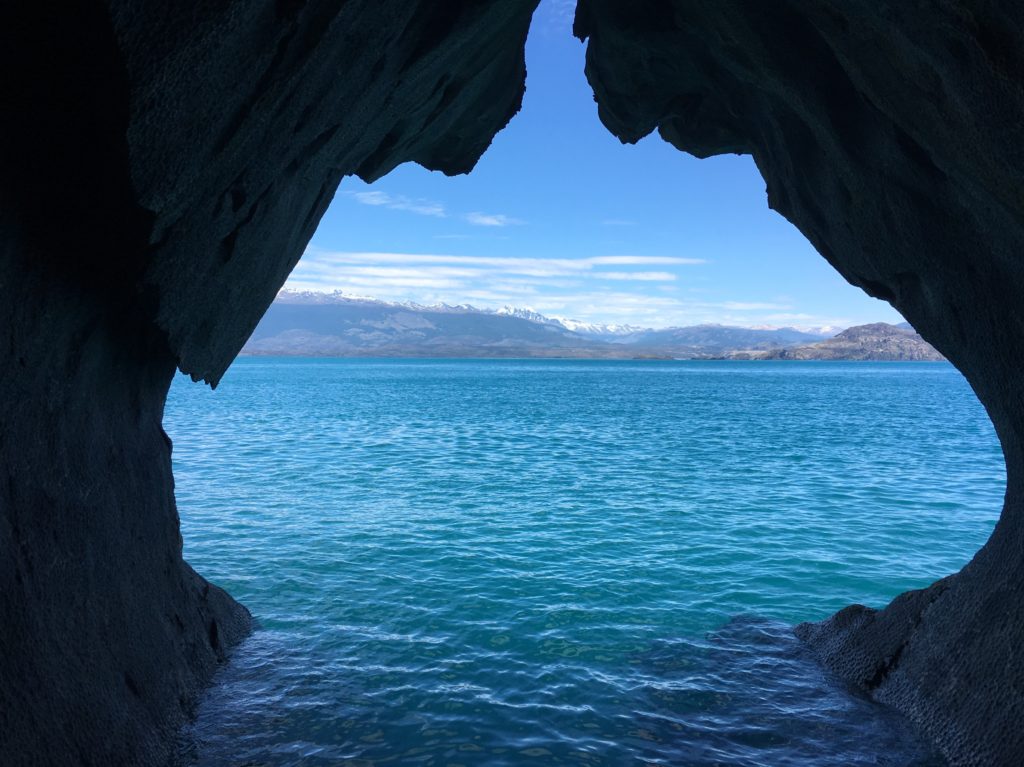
[{"x": 560, "y": 217}]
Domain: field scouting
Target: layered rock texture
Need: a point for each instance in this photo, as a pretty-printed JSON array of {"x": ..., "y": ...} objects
[
  {"x": 163, "y": 167},
  {"x": 165, "y": 164},
  {"x": 890, "y": 133}
]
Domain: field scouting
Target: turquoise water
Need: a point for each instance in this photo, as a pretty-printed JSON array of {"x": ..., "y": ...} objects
[{"x": 548, "y": 562}]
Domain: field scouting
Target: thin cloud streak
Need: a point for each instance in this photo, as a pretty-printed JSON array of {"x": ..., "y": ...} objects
[
  {"x": 555, "y": 16},
  {"x": 329, "y": 273},
  {"x": 751, "y": 306},
  {"x": 637, "y": 276},
  {"x": 314, "y": 254},
  {"x": 645, "y": 260},
  {"x": 588, "y": 289},
  {"x": 380, "y": 199},
  {"x": 387, "y": 273},
  {"x": 491, "y": 219}
]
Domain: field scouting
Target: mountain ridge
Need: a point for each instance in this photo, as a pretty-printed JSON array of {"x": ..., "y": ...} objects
[
  {"x": 308, "y": 297},
  {"x": 877, "y": 341},
  {"x": 339, "y": 325}
]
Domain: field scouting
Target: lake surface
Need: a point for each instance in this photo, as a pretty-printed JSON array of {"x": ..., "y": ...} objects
[{"x": 458, "y": 562}]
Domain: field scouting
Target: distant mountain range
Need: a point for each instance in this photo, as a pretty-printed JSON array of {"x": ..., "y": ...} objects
[{"x": 334, "y": 325}]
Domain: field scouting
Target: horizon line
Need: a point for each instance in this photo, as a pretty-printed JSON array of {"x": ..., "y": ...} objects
[{"x": 340, "y": 295}]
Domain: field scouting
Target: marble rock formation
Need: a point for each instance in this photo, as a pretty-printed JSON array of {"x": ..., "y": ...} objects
[
  {"x": 163, "y": 166},
  {"x": 891, "y": 133}
]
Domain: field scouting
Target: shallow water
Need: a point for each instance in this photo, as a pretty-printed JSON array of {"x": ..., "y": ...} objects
[{"x": 545, "y": 562}]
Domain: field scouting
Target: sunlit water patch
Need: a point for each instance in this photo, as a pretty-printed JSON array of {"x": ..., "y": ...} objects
[{"x": 594, "y": 563}]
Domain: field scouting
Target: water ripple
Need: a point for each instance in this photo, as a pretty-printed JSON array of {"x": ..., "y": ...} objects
[{"x": 509, "y": 563}]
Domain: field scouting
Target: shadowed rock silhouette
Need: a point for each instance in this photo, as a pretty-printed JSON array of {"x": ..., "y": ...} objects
[{"x": 890, "y": 134}]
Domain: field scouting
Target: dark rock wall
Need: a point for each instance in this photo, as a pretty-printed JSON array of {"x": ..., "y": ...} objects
[
  {"x": 890, "y": 133},
  {"x": 162, "y": 166},
  {"x": 106, "y": 635},
  {"x": 245, "y": 117}
]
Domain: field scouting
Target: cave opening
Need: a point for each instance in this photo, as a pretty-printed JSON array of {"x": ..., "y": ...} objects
[
  {"x": 166, "y": 170},
  {"x": 511, "y": 560}
]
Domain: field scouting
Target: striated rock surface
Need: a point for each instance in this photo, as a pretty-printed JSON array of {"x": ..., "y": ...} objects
[
  {"x": 878, "y": 341},
  {"x": 163, "y": 167},
  {"x": 889, "y": 133}
]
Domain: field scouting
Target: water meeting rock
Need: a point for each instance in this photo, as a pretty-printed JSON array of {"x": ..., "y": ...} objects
[
  {"x": 164, "y": 167},
  {"x": 890, "y": 134}
]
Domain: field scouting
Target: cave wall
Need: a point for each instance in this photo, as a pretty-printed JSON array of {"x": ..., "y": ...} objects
[
  {"x": 244, "y": 119},
  {"x": 890, "y": 133},
  {"x": 162, "y": 167},
  {"x": 105, "y": 634}
]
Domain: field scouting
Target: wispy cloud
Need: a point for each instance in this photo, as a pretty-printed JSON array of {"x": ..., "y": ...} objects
[
  {"x": 491, "y": 219},
  {"x": 618, "y": 222},
  {"x": 388, "y": 274},
  {"x": 592, "y": 289},
  {"x": 378, "y": 198},
  {"x": 556, "y": 15},
  {"x": 638, "y": 276},
  {"x": 644, "y": 260},
  {"x": 752, "y": 306},
  {"x": 527, "y": 265}
]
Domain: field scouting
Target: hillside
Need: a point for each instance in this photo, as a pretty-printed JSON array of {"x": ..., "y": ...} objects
[
  {"x": 711, "y": 339},
  {"x": 311, "y": 324},
  {"x": 878, "y": 341},
  {"x": 362, "y": 328}
]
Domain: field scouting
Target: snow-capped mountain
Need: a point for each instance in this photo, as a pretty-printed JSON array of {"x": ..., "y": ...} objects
[
  {"x": 525, "y": 314},
  {"x": 316, "y": 298},
  {"x": 589, "y": 329},
  {"x": 338, "y": 324},
  {"x": 599, "y": 330},
  {"x": 341, "y": 325}
]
